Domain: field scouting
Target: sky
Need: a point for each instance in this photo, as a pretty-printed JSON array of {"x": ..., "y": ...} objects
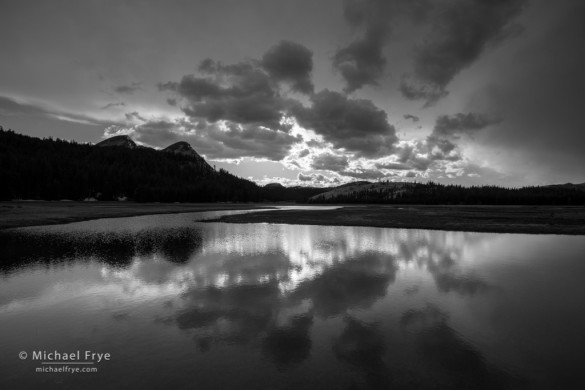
[{"x": 310, "y": 92}]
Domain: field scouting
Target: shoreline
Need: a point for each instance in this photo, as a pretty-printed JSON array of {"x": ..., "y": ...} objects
[
  {"x": 488, "y": 219},
  {"x": 569, "y": 220},
  {"x": 17, "y": 214}
]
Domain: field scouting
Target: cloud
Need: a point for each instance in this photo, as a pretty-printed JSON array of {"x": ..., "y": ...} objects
[
  {"x": 304, "y": 153},
  {"x": 242, "y": 93},
  {"x": 16, "y": 108},
  {"x": 302, "y": 177},
  {"x": 292, "y": 63},
  {"x": 330, "y": 162},
  {"x": 451, "y": 125},
  {"x": 364, "y": 174},
  {"x": 459, "y": 32},
  {"x": 317, "y": 179},
  {"x": 411, "y": 117},
  {"x": 127, "y": 89},
  {"x": 393, "y": 166},
  {"x": 131, "y": 116},
  {"x": 362, "y": 62},
  {"x": 111, "y": 105},
  {"x": 449, "y": 128},
  {"x": 355, "y": 125},
  {"x": 445, "y": 36},
  {"x": 246, "y": 93}
]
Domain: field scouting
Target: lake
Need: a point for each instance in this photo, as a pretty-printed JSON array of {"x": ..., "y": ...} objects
[{"x": 181, "y": 304}]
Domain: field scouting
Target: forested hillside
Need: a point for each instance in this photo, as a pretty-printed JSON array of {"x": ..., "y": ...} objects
[{"x": 32, "y": 168}]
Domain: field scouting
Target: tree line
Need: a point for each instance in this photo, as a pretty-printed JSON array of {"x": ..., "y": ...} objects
[{"x": 435, "y": 193}]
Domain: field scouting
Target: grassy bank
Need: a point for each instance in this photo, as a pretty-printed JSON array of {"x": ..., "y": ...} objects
[
  {"x": 19, "y": 214},
  {"x": 498, "y": 219}
]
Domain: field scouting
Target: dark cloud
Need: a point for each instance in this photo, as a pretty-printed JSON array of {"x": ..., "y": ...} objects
[
  {"x": 418, "y": 91},
  {"x": 304, "y": 153},
  {"x": 459, "y": 32},
  {"x": 452, "y": 125},
  {"x": 362, "y": 62},
  {"x": 411, "y": 117},
  {"x": 302, "y": 177},
  {"x": 448, "y": 36},
  {"x": 241, "y": 93},
  {"x": 330, "y": 162},
  {"x": 449, "y": 128},
  {"x": 355, "y": 125},
  {"x": 134, "y": 115},
  {"x": 111, "y": 105},
  {"x": 292, "y": 63},
  {"x": 316, "y": 179},
  {"x": 127, "y": 89},
  {"x": 246, "y": 93}
]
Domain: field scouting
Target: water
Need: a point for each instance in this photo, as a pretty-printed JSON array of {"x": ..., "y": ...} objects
[{"x": 181, "y": 304}]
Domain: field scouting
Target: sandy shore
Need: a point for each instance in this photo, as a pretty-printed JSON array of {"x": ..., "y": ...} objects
[
  {"x": 19, "y": 214},
  {"x": 497, "y": 219}
]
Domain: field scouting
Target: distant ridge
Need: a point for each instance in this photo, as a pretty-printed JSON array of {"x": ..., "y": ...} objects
[{"x": 569, "y": 185}]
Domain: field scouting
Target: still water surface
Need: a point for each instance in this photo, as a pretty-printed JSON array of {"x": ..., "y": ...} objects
[{"x": 181, "y": 304}]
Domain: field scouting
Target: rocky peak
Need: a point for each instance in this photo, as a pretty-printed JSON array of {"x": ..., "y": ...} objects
[
  {"x": 182, "y": 147},
  {"x": 119, "y": 140}
]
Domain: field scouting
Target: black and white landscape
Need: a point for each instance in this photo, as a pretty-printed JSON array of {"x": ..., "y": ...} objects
[{"x": 352, "y": 194}]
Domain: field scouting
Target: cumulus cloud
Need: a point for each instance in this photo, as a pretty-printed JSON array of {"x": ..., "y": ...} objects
[
  {"x": 355, "y": 125},
  {"x": 242, "y": 93},
  {"x": 246, "y": 93},
  {"x": 292, "y": 63}
]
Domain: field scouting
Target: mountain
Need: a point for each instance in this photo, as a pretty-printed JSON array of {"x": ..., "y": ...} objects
[
  {"x": 118, "y": 140},
  {"x": 184, "y": 149}
]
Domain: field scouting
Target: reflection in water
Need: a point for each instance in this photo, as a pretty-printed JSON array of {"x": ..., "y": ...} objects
[
  {"x": 116, "y": 249},
  {"x": 270, "y": 306},
  {"x": 363, "y": 346}
]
